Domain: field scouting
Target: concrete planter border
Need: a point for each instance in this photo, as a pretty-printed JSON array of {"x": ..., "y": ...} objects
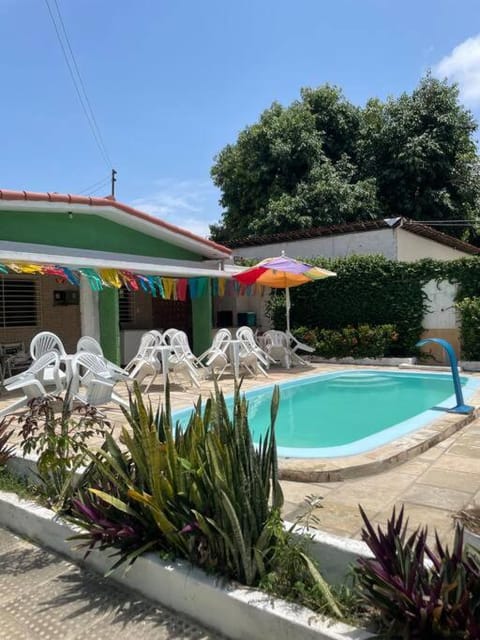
[
  {"x": 335, "y": 554},
  {"x": 235, "y": 611}
]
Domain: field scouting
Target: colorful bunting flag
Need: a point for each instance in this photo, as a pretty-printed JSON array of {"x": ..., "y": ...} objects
[{"x": 166, "y": 288}]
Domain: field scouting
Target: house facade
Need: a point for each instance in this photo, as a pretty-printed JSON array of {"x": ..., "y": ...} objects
[
  {"x": 76, "y": 265},
  {"x": 395, "y": 238}
]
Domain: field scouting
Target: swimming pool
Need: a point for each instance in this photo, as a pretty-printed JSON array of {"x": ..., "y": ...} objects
[{"x": 350, "y": 412}]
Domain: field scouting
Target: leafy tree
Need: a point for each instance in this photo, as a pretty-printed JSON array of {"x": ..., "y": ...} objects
[
  {"x": 323, "y": 161},
  {"x": 420, "y": 149}
]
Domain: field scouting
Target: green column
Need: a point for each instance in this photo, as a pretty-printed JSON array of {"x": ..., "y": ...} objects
[
  {"x": 202, "y": 321},
  {"x": 109, "y": 324}
]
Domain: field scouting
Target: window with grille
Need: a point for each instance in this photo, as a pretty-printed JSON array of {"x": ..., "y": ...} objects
[
  {"x": 18, "y": 303},
  {"x": 125, "y": 306}
]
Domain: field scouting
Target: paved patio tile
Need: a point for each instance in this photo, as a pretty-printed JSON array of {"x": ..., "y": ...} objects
[
  {"x": 365, "y": 495},
  {"x": 41, "y": 566},
  {"x": 297, "y": 492},
  {"x": 432, "y": 454},
  {"x": 438, "y": 497},
  {"x": 434, "y": 519},
  {"x": 467, "y": 482},
  {"x": 9, "y": 542},
  {"x": 43, "y": 597},
  {"x": 414, "y": 467},
  {"x": 457, "y": 463},
  {"x": 418, "y": 516},
  {"x": 338, "y": 518},
  {"x": 465, "y": 451}
]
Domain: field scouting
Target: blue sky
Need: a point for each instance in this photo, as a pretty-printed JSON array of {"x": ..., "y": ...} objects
[{"x": 172, "y": 82}]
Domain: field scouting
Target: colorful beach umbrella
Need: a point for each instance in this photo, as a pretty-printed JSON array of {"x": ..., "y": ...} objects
[{"x": 282, "y": 272}]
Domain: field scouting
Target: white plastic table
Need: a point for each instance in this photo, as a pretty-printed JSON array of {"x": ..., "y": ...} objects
[
  {"x": 67, "y": 360},
  {"x": 234, "y": 347},
  {"x": 164, "y": 351}
]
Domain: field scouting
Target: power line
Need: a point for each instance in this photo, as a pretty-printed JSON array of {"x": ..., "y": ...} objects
[
  {"x": 96, "y": 185},
  {"x": 97, "y": 190},
  {"x": 82, "y": 84},
  {"x": 78, "y": 83}
]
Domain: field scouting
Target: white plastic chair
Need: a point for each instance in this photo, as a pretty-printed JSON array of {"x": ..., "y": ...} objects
[
  {"x": 168, "y": 335},
  {"x": 32, "y": 383},
  {"x": 145, "y": 363},
  {"x": 44, "y": 342},
  {"x": 277, "y": 347},
  {"x": 158, "y": 335},
  {"x": 93, "y": 381},
  {"x": 298, "y": 346},
  {"x": 90, "y": 345},
  {"x": 14, "y": 358},
  {"x": 182, "y": 360},
  {"x": 216, "y": 358},
  {"x": 248, "y": 346},
  {"x": 181, "y": 349}
]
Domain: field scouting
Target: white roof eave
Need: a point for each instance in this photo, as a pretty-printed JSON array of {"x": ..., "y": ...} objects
[{"x": 77, "y": 259}]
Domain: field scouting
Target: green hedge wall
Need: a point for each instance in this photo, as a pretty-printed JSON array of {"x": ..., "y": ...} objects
[
  {"x": 374, "y": 290},
  {"x": 470, "y": 331}
]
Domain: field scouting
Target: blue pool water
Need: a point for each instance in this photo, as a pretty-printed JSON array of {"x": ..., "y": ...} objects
[{"x": 346, "y": 413}]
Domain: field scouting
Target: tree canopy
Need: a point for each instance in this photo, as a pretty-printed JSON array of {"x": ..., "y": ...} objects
[{"x": 323, "y": 160}]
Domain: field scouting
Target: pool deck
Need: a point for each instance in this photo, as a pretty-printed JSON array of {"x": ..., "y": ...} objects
[{"x": 433, "y": 472}]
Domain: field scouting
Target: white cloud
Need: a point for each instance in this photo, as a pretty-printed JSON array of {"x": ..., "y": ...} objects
[
  {"x": 462, "y": 65},
  {"x": 191, "y": 204}
]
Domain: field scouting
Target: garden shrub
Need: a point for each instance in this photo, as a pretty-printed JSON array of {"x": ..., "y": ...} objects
[
  {"x": 373, "y": 290},
  {"x": 202, "y": 492},
  {"x": 367, "y": 290},
  {"x": 306, "y": 335},
  {"x": 59, "y": 439},
  {"x": 364, "y": 341},
  {"x": 419, "y": 591},
  {"x": 470, "y": 328}
]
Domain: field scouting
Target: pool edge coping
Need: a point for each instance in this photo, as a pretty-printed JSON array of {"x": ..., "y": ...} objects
[
  {"x": 385, "y": 456},
  {"x": 377, "y": 460}
]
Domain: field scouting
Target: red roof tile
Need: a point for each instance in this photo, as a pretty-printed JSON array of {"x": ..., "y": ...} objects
[{"x": 108, "y": 201}]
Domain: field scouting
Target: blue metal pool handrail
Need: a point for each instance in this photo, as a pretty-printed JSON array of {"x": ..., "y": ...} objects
[{"x": 461, "y": 406}]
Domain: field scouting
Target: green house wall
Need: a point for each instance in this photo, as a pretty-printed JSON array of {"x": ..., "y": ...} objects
[
  {"x": 109, "y": 324},
  {"x": 202, "y": 321},
  {"x": 83, "y": 231}
]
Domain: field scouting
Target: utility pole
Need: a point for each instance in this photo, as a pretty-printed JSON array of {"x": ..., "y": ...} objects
[{"x": 114, "y": 179}]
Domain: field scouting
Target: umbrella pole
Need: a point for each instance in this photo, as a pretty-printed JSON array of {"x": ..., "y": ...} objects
[{"x": 287, "y": 304}]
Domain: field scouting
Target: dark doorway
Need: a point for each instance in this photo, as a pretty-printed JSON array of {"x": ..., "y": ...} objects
[{"x": 172, "y": 313}]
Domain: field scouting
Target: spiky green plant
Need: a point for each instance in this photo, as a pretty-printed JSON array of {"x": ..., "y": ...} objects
[
  {"x": 204, "y": 489},
  {"x": 202, "y": 492},
  {"x": 6, "y": 448}
]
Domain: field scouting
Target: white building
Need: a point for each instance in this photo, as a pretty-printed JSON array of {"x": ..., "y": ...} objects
[{"x": 395, "y": 238}]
